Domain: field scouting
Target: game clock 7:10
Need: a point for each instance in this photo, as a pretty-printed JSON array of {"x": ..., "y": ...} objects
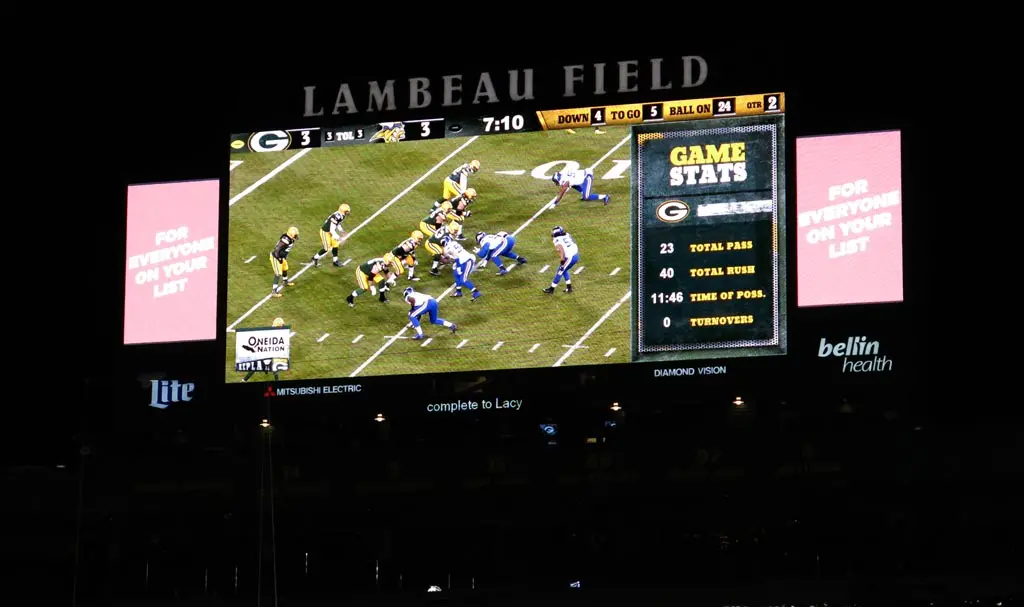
[{"x": 503, "y": 124}]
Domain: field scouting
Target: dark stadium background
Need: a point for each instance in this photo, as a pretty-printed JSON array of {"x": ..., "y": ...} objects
[{"x": 880, "y": 493}]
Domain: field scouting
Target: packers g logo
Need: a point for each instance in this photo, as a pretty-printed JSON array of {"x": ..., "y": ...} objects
[
  {"x": 672, "y": 211},
  {"x": 270, "y": 141}
]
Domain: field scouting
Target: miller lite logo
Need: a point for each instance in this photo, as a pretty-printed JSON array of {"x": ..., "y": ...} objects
[{"x": 164, "y": 392}]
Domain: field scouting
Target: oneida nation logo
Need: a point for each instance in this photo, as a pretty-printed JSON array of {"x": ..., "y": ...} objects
[
  {"x": 390, "y": 132},
  {"x": 859, "y": 355},
  {"x": 672, "y": 211}
]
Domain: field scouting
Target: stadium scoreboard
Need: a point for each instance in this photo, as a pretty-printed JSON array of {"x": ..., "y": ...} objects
[
  {"x": 707, "y": 218},
  {"x": 504, "y": 123}
]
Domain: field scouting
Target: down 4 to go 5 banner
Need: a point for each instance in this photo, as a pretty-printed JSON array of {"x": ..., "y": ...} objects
[{"x": 709, "y": 242}]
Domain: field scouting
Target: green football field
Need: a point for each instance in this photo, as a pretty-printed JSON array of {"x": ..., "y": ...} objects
[{"x": 390, "y": 189}]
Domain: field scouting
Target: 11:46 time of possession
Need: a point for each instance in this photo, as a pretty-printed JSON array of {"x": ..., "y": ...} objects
[{"x": 675, "y": 297}]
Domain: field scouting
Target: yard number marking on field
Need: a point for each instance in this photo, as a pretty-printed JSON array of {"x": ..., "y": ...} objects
[{"x": 398, "y": 335}]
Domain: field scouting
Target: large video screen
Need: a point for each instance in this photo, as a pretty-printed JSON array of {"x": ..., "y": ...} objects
[
  {"x": 560, "y": 238},
  {"x": 170, "y": 287},
  {"x": 850, "y": 227}
]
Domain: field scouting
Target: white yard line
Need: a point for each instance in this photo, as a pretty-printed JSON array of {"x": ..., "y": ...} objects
[
  {"x": 321, "y": 339},
  {"x": 426, "y": 341},
  {"x": 534, "y": 348},
  {"x": 609, "y": 353},
  {"x": 542, "y": 270},
  {"x": 497, "y": 345},
  {"x": 610, "y": 152},
  {"x": 579, "y": 269},
  {"x": 615, "y": 271},
  {"x": 345, "y": 263},
  {"x": 365, "y": 221},
  {"x": 461, "y": 343},
  {"x": 579, "y": 344},
  {"x": 250, "y": 259},
  {"x": 357, "y": 338},
  {"x": 284, "y": 165},
  {"x": 591, "y": 330},
  {"x": 392, "y": 339}
]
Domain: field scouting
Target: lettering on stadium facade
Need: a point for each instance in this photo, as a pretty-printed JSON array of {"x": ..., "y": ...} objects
[{"x": 689, "y": 71}]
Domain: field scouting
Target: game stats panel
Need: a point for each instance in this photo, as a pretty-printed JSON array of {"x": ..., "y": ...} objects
[{"x": 707, "y": 224}]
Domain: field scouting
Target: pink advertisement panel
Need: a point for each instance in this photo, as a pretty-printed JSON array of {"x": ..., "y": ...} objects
[
  {"x": 170, "y": 286},
  {"x": 849, "y": 219}
]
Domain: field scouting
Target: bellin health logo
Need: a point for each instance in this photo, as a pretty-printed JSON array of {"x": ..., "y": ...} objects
[{"x": 859, "y": 355}]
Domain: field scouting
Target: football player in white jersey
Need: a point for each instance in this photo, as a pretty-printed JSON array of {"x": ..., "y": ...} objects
[
  {"x": 492, "y": 247},
  {"x": 421, "y": 304},
  {"x": 581, "y": 180},
  {"x": 463, "y": 264},
  {"x": 569, "y": 255}
]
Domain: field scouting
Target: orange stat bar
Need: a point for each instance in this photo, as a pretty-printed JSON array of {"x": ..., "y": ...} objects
[{"x": 665, "y": 111}]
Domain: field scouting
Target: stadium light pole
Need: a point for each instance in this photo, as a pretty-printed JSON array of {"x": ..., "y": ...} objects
[
  {"x": 266, "y": 503},
  {"x": 82, "y": 452}
]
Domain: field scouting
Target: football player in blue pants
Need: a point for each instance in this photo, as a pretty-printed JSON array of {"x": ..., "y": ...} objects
[
  {"x": 581, "y": 180},
  {"x": 495, "y": 246},
  {"x": 569, "y": 256},
  {"x": 463, "y": 265},
  {"x": 421, "y": 304}
]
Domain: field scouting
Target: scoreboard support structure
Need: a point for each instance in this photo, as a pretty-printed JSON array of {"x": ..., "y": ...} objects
[{"x": 708, "y": 233}]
